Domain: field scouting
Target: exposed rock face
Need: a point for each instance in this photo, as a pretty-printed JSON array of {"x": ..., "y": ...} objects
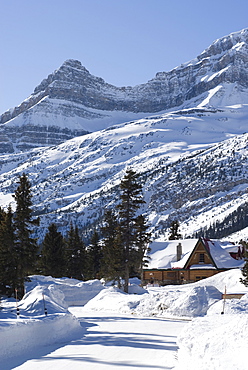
[
  {"x": 30, "y": 136},
  {"x": 74, "y": 102}
]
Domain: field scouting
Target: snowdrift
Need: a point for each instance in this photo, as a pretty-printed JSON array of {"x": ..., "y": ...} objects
[
  {"x": 214, "y": 342},
  {"x": 75, "y": 292},
  {"x": 26, "y": 335},
  {"x": 157, "y": 302},
  {"x": 32, "y": 327},
  {"x": 190, "y": 300},
  {"x": 218, "y": 341}
]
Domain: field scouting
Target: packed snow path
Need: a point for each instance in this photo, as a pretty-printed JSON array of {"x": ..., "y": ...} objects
[{"x": 114, "y": 342}]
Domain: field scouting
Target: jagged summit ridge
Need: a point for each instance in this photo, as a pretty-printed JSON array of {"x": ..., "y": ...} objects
[
  {"x": 71, "y": 101},
  {"x": 234, "y": 40},
  {"x": 70, "y": 70}
]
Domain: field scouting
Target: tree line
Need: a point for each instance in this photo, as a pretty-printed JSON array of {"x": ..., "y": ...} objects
[
  {"x": 235, "y": 221},
  {"x": 115, "y": 252}
]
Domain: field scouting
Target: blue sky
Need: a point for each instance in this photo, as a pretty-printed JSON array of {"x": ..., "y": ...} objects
[{"x": 126, "y": 42}]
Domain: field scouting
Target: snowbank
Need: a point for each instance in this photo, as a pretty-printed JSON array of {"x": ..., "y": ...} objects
[
  {"x": 26, "y": 335},
  {"x": 115, "y": 300},
  {"x": 229, "y": 280},
  {"x": 170, "y": 301},
  {"x": 32, "y": 328},
  {"x": 218, "y": 341},
  {"x": 76, "y": 293},
  {"x": 214, "y": 342}
]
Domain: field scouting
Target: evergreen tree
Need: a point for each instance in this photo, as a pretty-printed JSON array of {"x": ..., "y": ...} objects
[
  {"x": 131, "y": 201},
  {"x": 245, "y": 268},
  {"x": 2, "y": 214},
  {"x": 142, "y": 239},
  {"x": 8, "y": 254},
  {"x": 75, "y": 255},
  {"x": 112, "y": 261},
  {"x": 53, "y": 253},
  {"x": 94, "y": 257},
  {"x": 174, "y": 233},
  {"x": 23, "y": 223}
]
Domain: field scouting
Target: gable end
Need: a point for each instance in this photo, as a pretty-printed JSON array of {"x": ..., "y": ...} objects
[{"x": 200, "y": 256}]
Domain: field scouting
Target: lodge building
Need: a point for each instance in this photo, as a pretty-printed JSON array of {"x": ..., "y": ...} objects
[{"x": 190, "y": 260}]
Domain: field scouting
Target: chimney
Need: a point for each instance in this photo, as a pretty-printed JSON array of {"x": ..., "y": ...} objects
[{"x": 179, "y": 251}]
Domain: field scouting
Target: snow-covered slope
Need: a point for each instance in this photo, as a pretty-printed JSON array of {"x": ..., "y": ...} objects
[
  {"x": 185, "y": 174},
  {"x": 192, "y": 159},
  {"x": 71, "y": 102}
]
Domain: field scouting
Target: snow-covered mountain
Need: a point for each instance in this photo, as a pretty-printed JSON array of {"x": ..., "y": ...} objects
[
  {"x": 193, "y": 168},
  {"x": 71, "y": 102},
  {"x": 192, "y": 159}
]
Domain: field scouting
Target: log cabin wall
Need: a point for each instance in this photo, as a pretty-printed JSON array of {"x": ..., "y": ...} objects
[{"x": 180, "y": 276}]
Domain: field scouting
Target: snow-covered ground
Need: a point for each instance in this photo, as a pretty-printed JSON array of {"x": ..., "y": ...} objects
[
  {"x": 90, "y": 325},
  {"x": 113, "y": 341}
]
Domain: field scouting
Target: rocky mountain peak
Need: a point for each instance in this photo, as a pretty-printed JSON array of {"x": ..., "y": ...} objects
[
  {"x": 236, "y": 40},
  {"x": 70, "y": 71},
  {"x": 73, "y": 63},
  {"x": 72, "y": 99}
]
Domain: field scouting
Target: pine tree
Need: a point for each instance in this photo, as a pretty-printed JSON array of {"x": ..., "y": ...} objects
[
  {"x": 8, "y": 254},
  {"x": 75, "y": 255},
  {"x": 23, "y": 223},
  {"x": 131, "y": 201},
  {"x": 112, "y": 261},
  {"x": 3, "y": 253},
  {"x": 142, "y": 239},
  {"x": 174, "y": 233},
  {"x": 94, "y": 257},
  {"x": 245, "y": 268},
  {"x": 53, "y": 253}
]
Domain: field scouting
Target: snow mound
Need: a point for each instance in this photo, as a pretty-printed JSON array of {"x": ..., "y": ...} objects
[
  {"x": 190, "y": 303},
  {"x": 76, "y": 292},
  {"x": 218, "y": 343},
  {"x": 44, "y": 295},
  {"x": 229, "y": 280},
  {"x": 32, "y": 328},
  {"x": 136, "y": 289},
  {"x": 115, "y": 300},
  {"x": 40, "y": 298},
  {"x": 196, "y": 301}
]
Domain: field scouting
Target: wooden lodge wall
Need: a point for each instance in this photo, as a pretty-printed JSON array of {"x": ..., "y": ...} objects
[{"x": 177, "y": 276}]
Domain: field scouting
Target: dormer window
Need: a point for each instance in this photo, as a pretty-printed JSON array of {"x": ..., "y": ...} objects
[{"x": 201, "y": 258}]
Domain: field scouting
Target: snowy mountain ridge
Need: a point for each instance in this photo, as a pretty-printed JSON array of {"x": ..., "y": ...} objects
[
  {"x": 192, "y": 165},
  {"x": 71, "y": 102}
]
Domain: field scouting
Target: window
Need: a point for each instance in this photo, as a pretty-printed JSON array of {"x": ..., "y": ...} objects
[{"x": 201, "y": 258}]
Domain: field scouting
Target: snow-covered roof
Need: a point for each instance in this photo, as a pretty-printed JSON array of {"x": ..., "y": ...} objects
[
  {"x": 221, "y": 256},
  {"x": 163, "y": 254}
]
